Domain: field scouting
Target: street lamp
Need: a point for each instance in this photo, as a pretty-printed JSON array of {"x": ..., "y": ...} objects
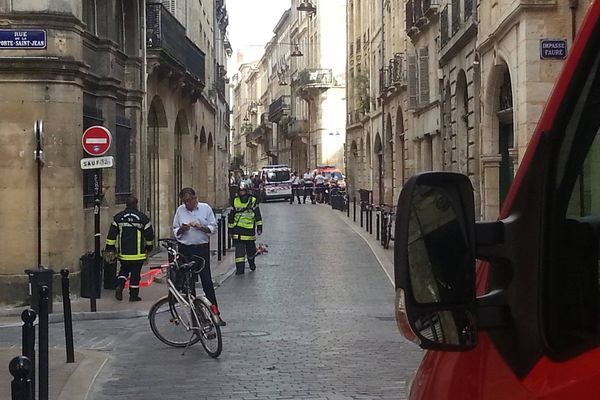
[
  {"x": 296, "y": 52},
  {"x": 307, "y": 6}
]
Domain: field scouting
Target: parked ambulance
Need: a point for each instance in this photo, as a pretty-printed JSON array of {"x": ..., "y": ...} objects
[
  {"x": 510, "y": 309},
  {"x": 276, "y": 182}
]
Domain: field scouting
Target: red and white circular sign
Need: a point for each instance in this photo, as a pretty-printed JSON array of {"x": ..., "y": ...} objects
[{"x": 96, "y": 140}]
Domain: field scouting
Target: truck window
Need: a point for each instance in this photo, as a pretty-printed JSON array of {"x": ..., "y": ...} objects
[{"x": 572, "y": 287}]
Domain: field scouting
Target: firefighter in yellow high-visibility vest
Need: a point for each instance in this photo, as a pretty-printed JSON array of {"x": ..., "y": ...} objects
[{"x": 245, "y": 222}]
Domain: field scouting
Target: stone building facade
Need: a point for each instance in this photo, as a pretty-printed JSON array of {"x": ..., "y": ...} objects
[
  {"x": 461, "y": 87},
  {"x": 296, "y": 93},
  {"x": 150, "y": 72}
]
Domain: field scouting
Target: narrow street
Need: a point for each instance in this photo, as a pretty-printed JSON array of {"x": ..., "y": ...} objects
[{"x": 314, "y": 321}]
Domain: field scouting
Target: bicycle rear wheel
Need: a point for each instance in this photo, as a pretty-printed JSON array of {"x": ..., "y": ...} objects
[
  {"x": 171, "y": 322},
  {"x": 210, "y": 334}
]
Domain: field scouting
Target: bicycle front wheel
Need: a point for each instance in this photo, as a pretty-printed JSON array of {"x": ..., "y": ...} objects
[
  {"x": 210, "y": 333},
  {"x": 171, "y": 322}
]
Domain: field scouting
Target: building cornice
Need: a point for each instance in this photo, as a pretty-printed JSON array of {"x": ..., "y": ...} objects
[
  {"x": 511, "y": 19},
  {"x": 45, "y": 20}
]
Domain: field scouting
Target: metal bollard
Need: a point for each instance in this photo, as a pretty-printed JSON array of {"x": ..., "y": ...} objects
[
  {"x": 377, "y": 226},
  {"x": 371, "y": 219},
  {"x": 43, "y": 344},
  {"x": 219, "y": 236},
  {"x": 347, "y": 204},
  {"x": 68, "y": 318},
  {"x": 228, "y": 236},
  {"x": 354, "y": 209},
  {"x": 28, "y": 340},
  {"x": 367, "y": 218},
  {"x": 361, "y": 214},
  {"x": 224, "y": 236},
  {"x": 21, "y": 387}
]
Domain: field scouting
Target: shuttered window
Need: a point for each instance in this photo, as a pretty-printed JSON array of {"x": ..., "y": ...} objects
[
  {"x": 412, "y": 81},
  {"x": 169, "y": 5},
  {"x": 409, "y": 14},
  {"x": 455, "y": 16},
  {"x": 444, "y": 37},
  {"x": 423, "y": 76}
]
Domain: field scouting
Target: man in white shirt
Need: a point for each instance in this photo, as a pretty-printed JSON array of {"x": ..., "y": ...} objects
[{"x": 193, "y": 224}]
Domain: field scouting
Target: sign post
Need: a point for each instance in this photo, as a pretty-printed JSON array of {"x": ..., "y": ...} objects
[{"x": 96, "y": 141}]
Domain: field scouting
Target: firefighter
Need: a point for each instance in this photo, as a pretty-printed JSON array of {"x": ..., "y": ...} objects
[
  {"x": 245, "y": 223},
  {"x": 131, "y": 236}
]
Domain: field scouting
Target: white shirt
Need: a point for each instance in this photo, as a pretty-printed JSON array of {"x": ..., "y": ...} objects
[
  {"x": 202, "y": 214},
  {"x": 308, "y": 175}
]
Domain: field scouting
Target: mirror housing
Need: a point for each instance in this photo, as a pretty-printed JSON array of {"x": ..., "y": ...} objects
[{"x": 434, "y": 262}]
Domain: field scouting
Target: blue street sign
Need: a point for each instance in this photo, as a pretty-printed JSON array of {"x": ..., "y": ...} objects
[
  {"x": 22, "y": 39},
  {"x": 553, "y": 49}
]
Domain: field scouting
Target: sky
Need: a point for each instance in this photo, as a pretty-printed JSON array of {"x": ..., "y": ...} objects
[{"x": 251, "y": 24}]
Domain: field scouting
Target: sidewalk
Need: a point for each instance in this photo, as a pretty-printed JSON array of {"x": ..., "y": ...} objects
[
  {"x": 73, "y": 381},
  {"x": 385, "y": 257}
]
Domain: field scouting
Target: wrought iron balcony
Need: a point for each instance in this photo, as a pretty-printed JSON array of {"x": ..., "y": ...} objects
[
  {"x": 166, "y": 40},
  {"x": 314, "y": 77},
  {"x": 278, "y": 108}
]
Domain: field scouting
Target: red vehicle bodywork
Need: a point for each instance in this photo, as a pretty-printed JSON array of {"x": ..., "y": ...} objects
[{"x": 482, "y": 373}]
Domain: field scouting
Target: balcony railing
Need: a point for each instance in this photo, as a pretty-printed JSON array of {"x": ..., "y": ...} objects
[
  {"x": 278, "y": 108},
  {"x": 313, "y": 77},
  {"x": 166, "y": 36}
]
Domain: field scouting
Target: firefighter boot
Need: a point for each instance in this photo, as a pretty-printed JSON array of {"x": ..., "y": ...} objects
[
  {"x": 119, "y": 289},
  {"x": 134, "y": 294}
]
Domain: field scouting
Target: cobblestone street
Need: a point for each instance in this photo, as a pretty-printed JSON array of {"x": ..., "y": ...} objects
[{"x": 314, "y": 321}]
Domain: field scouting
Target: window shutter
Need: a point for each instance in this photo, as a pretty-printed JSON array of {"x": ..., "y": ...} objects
[
  {"x": 423, "y": 76},
  {"x": 169, "y": 5},
  {"x": 409, "y": 14},
  {"x": 455, "y": 16},
  {"x": 412, "y": 81}
]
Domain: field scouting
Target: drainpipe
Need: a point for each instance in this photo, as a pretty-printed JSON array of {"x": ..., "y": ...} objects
[
  {"x": 381, "y": 180},
  {"x": 573, "y": 5},
  {"x": 143, "y": 133}
]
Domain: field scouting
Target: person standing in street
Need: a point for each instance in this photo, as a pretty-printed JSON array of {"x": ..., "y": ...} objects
[
  {"x": 295, "y": 182},
  {"x": 131, "y": 236},
  {"x": 193, "y": 224},
  {"x": 245, "y": 223},
  {"x": 309, "y": 187}
]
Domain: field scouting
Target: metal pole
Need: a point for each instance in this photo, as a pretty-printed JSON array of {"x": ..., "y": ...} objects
[
  {"x": 219, "y": 236},
  {"x": 228, "y": 237},
  {"x": 38, "y": 151},
  {"x": 20, "y": 368},
  {"x": 43, "y": 344},
  {"x": 367, "y": 217},
  {"x": 377, "y": 226},
  {"x": 361, "y": 215},
  {"x": 224, "y": 236},
  {"x": 347, "y": 204},
  {"x": 354, "y": 209},
  {"x": 28, "y": 339},
  {"x": 371, "y": 219},
  {"x": 67, "y": 316},
  {"x": 96, "y": 266}
]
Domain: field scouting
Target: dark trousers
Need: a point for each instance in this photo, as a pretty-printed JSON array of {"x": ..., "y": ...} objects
[
  {"x": 243, "y": 248},
  {"x": 296, "y": 193},
  {"x": 202, "y": 250},
  {"x": 130, "y": 267},
  {"x": 309, "y": 191}
]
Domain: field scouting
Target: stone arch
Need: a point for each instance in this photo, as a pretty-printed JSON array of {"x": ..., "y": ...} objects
[
  {"x": 380, "y": 168},
  {"x": 400, "y": 154},
  {"x": 448, "y": 135},
  {"x": 462, "y": 123},
  {"x": 499, "y": 156},
  {"x": 388, "y": 162},
  {"x": 181, "y": 157},
  {"x": 203, "y": 165},
  {"x": 155, "y": 187}
]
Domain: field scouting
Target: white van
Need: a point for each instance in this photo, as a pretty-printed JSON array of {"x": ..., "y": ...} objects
[{"x": 276, "y": 182}]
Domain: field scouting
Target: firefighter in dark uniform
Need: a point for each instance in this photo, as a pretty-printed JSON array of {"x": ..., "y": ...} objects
[
  {"x": 245, "y": 223},
  {"x": 132, "y": 236}
]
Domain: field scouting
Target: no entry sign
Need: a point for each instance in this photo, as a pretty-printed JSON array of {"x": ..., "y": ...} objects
[{"x": 96, "y": 140}]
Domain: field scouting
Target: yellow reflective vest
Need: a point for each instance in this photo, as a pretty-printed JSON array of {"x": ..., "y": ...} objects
[{"x": 244, "y": 218}]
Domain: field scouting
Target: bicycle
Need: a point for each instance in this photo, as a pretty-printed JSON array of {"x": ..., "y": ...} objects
[
  {"x": 181, "y": 312},
  {"x": 388, "y": 217}
]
